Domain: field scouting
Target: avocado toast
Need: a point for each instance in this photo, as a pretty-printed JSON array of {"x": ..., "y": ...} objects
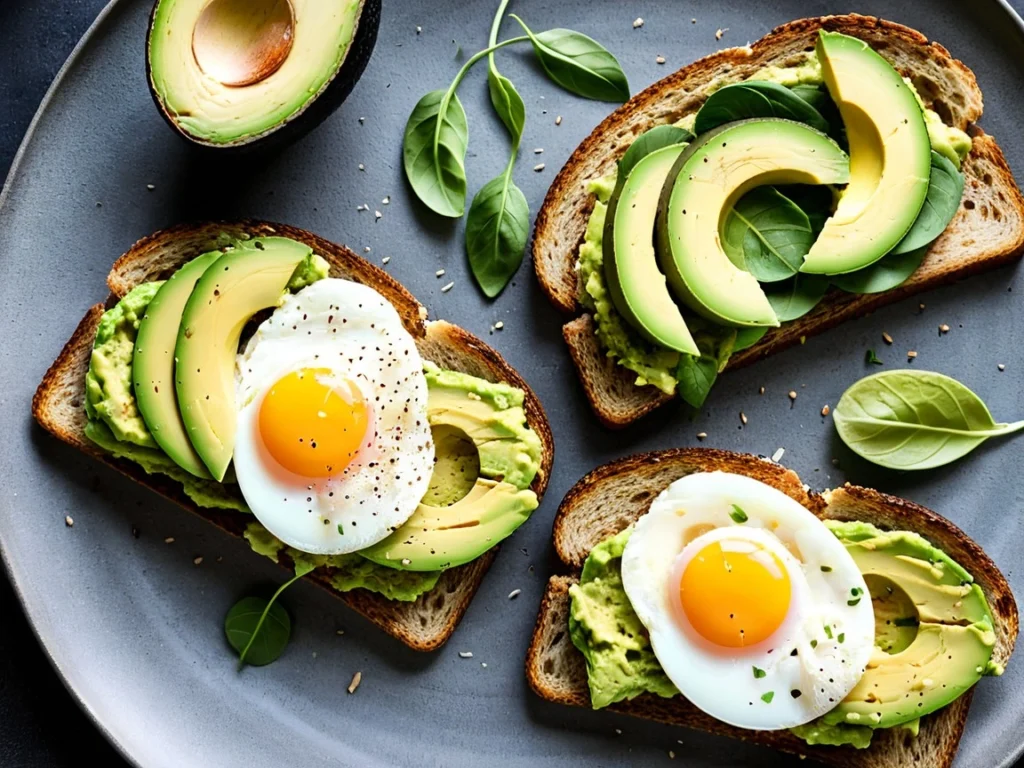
[
  {"x": 459, "y": 366},
  {"x": 630, "y": 365},
  {"x": 604, "y": 506}
]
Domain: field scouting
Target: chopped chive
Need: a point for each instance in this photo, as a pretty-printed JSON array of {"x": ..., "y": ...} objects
[
  {"x": 828, "y": 631},
  {"x": 341, "y": 529},
  {"x": 767, "y": 697},
  {"x": 759, "y": 673},
  {"x": 738, "y": 515},
  {"x": 853, "y": 602},
  {"x": 871, "y": 358},
  {"x": 814, "y": 643},
  {"x": 856, "y": 591},
  {"x": 842, "y": 637},
  {"x": 826, "y": 569}
]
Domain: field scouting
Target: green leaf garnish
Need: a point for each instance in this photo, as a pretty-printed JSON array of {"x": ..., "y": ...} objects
[
  {"x": 826, "y": 569},
  {"x": 828, "y": 631},
  {"x": 870, "y": 358},
  {"x": 738, "y": 515},
  {"x": 759, "y": 673},
  {"x": 767, "y": 697}
]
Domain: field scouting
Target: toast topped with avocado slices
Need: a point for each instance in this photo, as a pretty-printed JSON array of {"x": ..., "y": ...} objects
[
  {"x": 290, "y": 392},
  {"x": 764, "y": 194},
  {"x": 712, "y": 590}
]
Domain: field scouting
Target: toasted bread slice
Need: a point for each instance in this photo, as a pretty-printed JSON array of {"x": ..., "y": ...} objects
[
  {"x": 58, "y": 407},
  {"x": 617, "y": 494},
  {"x": 987, "y": 231}
]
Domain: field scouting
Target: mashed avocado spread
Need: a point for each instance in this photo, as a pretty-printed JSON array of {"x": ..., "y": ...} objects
[
  {"x": 655, "y": 366},
  {"x": 621, "y": 663},
  {"x": 116, "y": 425}
]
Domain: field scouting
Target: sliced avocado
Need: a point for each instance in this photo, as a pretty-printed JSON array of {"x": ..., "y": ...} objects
[
  {"x": 251, "y": 277},
  {"x": 707, "y": 178},
  {"x": 933, "y": 628},
  {"x": 153, "y": 366},
  {"x": 890, "y": 157},
  {"x": 636, "y": 284},
  {"x": 449, "y": 528},
  {"x": 230, "y": 72}
]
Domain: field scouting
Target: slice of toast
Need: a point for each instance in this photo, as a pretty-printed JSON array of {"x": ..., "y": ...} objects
[
  {"x": 987, "y": 231},
  {"x": 58, "y": 406},
  {"x": 617, "y": 494}
]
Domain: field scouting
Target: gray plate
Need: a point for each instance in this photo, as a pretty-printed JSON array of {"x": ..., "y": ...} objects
[{"x": 135, "y": 628}]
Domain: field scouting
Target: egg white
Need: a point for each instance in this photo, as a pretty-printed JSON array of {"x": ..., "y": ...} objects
[
  {"x": 356, "y": 334},
  {"x": 695, "y": 511}
]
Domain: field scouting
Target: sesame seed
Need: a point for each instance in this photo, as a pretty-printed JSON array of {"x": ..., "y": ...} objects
[
  {"x": 339, "y": 632},
  {"x": 406, "y": 561},
  {"x": 446, "y": 288},
  {"x": 418, "y": 29},
  {"x": 362, "y": 119},
  {"x": 538, "y": 167},
  {"x": 68, "y": 521},
  {"x": 366, "y": 249},
  {"x": 499, "y": 325},
  {"x": 197, "y": 560},
  {"x": 777, "y": 456},
  {"x": 169, "y": 540},
  {"x": 618, "y": 731},
  {"x": 743, "y": 417},
  {"x": 514, "y": 594},
  {"x": 558, "y": 120},
  {"x": 943, "y": 328},
  {"x": 376, "y": 214},
  {"x": 886, "y": 338},
  {"x": 720, "y": 32},
  {"x": 1001, "y": 367},
  {"x": 671, "y": 755},
  {"x": 660, "y": 60},
  {"x": 483, "y": 664},
  {"x": 439, "y": 273},
  {"x": 465, "y": 654},
  {"x": 385, "y": 260},
  {"x": 638, "y": 23},
  {"x": 792, "y": 394},
  {"x": 701, "y": 435},
  {"x": 825, "y": 411},
  {"x": 538, "y": 151},
  {"x": 362, "y": 167},
  {"x": 760, "y": 391},
  {"x": 386, "y": 200},
  {"x": 151, "y": 187},
  {"x": 357, "y": 678},
  {"x": 911, "y": 355}
]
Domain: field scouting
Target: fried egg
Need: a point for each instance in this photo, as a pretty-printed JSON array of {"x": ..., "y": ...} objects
[
  {"x": 755, "y": 610},
  {"x": 334, "y": 450}
]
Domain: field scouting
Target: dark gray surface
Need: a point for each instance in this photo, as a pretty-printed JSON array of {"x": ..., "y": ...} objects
[{"x": 136, "y": 627}]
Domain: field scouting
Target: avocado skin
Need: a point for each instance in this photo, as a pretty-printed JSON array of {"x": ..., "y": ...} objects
[{"x": 306, "y": 119}]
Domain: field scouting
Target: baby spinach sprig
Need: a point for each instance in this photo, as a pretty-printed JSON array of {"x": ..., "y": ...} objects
[
  {"x": 437, "y": 137},
  {"x": 259, "y": 629}
]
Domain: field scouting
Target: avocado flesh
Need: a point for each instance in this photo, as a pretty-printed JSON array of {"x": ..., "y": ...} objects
[
  {"x": 637, "y": 286},
  {"x": 707, "y": 179},
  {"x": 438, "y": 537},
  {"x": 935, "y": 662},
  {"x": 153, "y": 366},
  {"x": 250, "y": 278},
  {"x": 890, "y": 158},
  {"x": 204, "y": 108}
]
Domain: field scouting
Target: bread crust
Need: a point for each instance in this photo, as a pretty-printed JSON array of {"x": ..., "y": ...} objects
[
  {"x": 556, "y": 671},
  {"x": 987, "y": 232},
  {"x": 58, "y": 407}
]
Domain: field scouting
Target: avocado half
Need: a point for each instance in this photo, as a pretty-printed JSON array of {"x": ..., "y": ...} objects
[{"x": 234, "y": 74}]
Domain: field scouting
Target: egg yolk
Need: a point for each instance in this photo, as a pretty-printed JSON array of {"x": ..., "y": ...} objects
[
  {"x": 310, "y": 425},
  {"x": 735, "y": 596}
]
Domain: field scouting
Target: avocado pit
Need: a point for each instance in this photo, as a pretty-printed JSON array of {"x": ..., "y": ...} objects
[{"x": 243, "y": 42}]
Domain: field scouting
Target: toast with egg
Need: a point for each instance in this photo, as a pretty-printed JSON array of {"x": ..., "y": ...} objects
[
  {"x": 424, "y": 624},
  {"x": 987, "y": 231},
  {"x": 615, "y": 495}
]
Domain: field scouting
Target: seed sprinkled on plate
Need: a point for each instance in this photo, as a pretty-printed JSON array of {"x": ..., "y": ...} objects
[
  {"x": 539, "y": 151},
  {"x": 385, "y": 260},
  {"x": 418, "y": 29},
  {"x": 465, "y": 654},
  {"x": 406, "y": 561},
  {"x": 377, "y": 214},
  {"x": 943, "y": 328},
  {"x": 720, "y": 32},
  {"x": 743, "y": 417},
  {"x": 357, "y": 678},
  {"x": 198, "y": 560},
  {"x": 151, "y": 187},
  {"x": 439, "y": 273},
  {"x": 538, "y": 167},
  {"x": 499, "y": 325},
  {"x": 1001, "y": 367},
  {"x": 638, "y": 23},
  {"x": 660, "y": 59},
  {"x": 911, "y": 355},
  {"x": 701, "y": 435},
  {"x": 514, "y": 594},
  {"x": 886, "y": 338},
  {"x": 792, "y": 394},
  {"x": 826, "y": 410},
  {"x": 446, "y": 288},
  {"x": 760, "y": 391},
  {"x": 68, "y": 521},
  {"x": 558, "y": 120},
  {"x": 362, "y": 167},
  {"x": 777, "y": 456},
  {"x": 169, "y": 540}
]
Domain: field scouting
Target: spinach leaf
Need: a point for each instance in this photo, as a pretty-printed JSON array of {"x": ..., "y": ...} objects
[
  {"x": 814, "y": 95},
  {"x": 756, "y": 99},
  {"x": 696, "y": 375},
  {"x": 747, "y": 337},
  {"x": 496, "y": 232},
  {"x": 659, "y": 137},
  {"x": 819, "y": 98},
  {"x": 815, "y": 200},
  {"x": 435, "y": 142},
  {"x": 766, "y": 234},
  {"x": 797, "y": 296},
  {"x": 891, "y": 270},
  {"x": 259, "y": 629},
  {"x": 913, "y": 419},
  {"x": 434, "y": 152},
  {"x": 945, "y": 189},
  {"x": 579, "y": 64},
  {"x": 499, "y": 217}
]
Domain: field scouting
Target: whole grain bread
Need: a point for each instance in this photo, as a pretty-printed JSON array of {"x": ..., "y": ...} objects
[
  {"x": 58, "y": 406},
  {"x": 987, "y": 231},
  {"x": 617, "y": 494}
]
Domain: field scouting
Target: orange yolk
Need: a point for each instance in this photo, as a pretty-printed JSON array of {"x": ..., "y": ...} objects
[
  {"x": 310, "y": 427},
  {"x": 735, "y": 599}
]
